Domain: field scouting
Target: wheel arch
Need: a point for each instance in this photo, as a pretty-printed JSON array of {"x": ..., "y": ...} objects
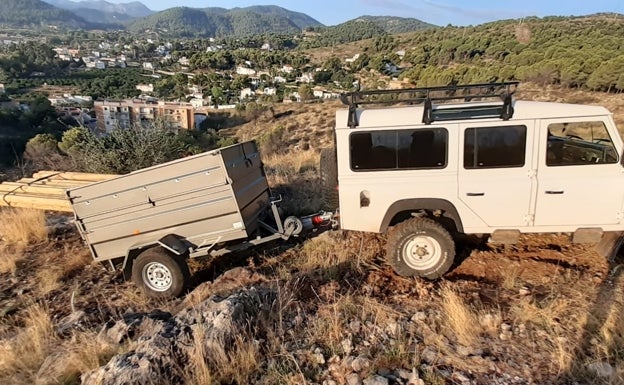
[
  {"x": 173, "y": 243},
  {"x": 402, "y": 210}
]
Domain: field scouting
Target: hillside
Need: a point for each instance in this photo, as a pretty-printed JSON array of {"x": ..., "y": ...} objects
[
  {"x": 325, "y": 308},
  {"x": 219, "y": 22},
  {"x": 36, "y": 13},
  {"x": 574, "y": 52},
  {"x": 394, "y": 25},
  {"x": 361, "y": 28},
  {"x": 131, "y": 9}
]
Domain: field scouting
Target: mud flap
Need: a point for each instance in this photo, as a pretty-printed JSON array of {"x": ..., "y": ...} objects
[{"x": 609, "y": 245}]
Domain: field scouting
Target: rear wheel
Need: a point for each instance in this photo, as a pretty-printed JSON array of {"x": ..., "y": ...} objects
[
  {"x": 159, "y": 273},
  {"x": 420, "y": 247},
  {"x": 329, "y": 178}
]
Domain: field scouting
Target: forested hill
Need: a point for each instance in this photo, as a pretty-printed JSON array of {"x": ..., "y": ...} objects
[
  {"x": 26, "y": 13},
  {"x": 219, "y": 22},
  {"x": 570, "y": 51},
  {"x": 364, "y": 27}
]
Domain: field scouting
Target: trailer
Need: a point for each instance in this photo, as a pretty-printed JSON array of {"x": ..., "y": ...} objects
[{"x": 149, "y": 222}]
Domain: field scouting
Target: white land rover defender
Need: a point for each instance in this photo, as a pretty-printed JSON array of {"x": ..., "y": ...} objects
[{"x": 429, "y": 170}]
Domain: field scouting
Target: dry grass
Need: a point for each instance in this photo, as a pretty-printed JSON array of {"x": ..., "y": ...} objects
[
  {"x": 60, "y": 264},
  {"x": 18, "y": 228},
  {"x": 22, "y": 226},
  {"x": 460, "y": 317},
  {"x": 22, "y": 355},
  {"x": 49, "y": 279},
  {"x": 217, "y": 362}
]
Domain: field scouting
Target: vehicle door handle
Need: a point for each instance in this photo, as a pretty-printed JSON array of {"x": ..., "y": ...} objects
[
  {"x": 480, "y": 194},
  {"x": 551, "y": 192}
]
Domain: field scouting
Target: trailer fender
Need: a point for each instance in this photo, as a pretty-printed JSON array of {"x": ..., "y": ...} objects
[
  {"x": 174, "y": 243},
  {"x": 126, "y": 267},
  {"x": 171, "y": 242}
]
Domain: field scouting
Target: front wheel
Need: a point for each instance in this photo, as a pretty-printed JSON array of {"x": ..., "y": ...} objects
[
  {"x": 160, "y": 274},
  {"x": 420, "y": 247}
]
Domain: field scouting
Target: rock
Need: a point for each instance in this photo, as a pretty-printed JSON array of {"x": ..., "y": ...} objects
[
  {"x": 393, "y": 329},
  {"x": 503, "y": 336},
  {"x": 353, "y": 379},
  {"x": 404, "y": 374},
  {"x": 429, "y": 355},
  {"x": 318, "y": 356},
  {"x": 461, "y": 378},
  {"x": 376, "y": 380},
  {"x": 355, "y": 326},
  {"x": 347, "y": 346},
  {"x": 127, "y": 327},
  {"x": 419, "y": 316},
  {"x": 347, "y": 362},
  {"x": 330, "y": 382},
  {"x": 166, "y": 342},
  {"x": 505, "y": 327},
  {"x": 524, "y": 291},
  {"x": 70, "y": 322},
  {"x": 463, "y": 351},
  {"x": 360, "y": 363},
  {"x": 414, "y": 378},
  {"x": 602, "y": 369},
  {"x": 335, "y": 370}
]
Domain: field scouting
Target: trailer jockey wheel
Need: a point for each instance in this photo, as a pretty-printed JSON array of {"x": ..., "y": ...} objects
[
  {"x": 293, "y": 225},
  {"x": 159, "y": 273}
]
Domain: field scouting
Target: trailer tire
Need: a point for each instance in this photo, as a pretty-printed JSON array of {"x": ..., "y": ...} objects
[
  {"x": 420, "y": 247},
  {"x": 329, "y": 178},
  {"x": 159, "y": 273}
]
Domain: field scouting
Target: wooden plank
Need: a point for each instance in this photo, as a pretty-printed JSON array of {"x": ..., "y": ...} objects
[
  {"x": 35, "y": 202},
  {"x": 79, "y": 176},
  {"x": 47, "y": 182},
  {"x": 17, "y": 188}
]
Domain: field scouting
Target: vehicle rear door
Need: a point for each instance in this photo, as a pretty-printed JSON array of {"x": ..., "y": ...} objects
[
  {"x": 580, "y": 179},
  {"x": 496, "y": 177}
]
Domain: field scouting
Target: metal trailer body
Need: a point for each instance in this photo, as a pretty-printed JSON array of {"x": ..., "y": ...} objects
[{"x": 185, "y": 205}]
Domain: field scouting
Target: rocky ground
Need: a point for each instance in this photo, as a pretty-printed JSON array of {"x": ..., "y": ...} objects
[{"x": 323, "y": 309}]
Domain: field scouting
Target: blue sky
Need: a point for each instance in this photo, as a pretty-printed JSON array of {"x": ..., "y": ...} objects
[{"x": 439, "y": 12}]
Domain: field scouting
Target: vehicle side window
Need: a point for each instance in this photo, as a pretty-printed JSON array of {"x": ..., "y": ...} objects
[
  {"x": 493, "y": 147},
  {"x": 579, "y": 143},
  {"x": 399, "y": 149}
]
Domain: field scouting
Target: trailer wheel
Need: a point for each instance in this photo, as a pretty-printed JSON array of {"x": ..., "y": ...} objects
[
  {"x": 329, "y": 178},
  {"x": 159, "y": 273},
  {"x": 420, "y": 247}
]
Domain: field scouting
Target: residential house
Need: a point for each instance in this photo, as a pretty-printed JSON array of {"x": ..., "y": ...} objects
[
  {"x": 352, "y": 59},
  {"x": 145, "y": 87},
  {"x": 306, "y": 78},
  {"x": 245, "y": 71},
  {"x": 246, "y": 93}
]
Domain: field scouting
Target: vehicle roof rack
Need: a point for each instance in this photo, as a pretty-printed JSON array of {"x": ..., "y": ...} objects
[{"x": 428, "y": 95}]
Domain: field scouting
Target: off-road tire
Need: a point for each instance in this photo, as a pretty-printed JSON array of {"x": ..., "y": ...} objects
[
  {"x": 159, "y": 273},
  {"x": 329, "y": 178},
  {"x": 420, "y": 247}
]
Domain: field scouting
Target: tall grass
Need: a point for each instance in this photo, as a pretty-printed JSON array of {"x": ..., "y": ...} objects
[
  {"x": 22, "y": 226},
  {"x": 18, "y": 228}
]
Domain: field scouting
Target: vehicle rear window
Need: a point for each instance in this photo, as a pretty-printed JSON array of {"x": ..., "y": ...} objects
[
  {"x": 399, "y": 149},
  {"x": 579, "y": 143},
  {"x": 493, "y": 147}
]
